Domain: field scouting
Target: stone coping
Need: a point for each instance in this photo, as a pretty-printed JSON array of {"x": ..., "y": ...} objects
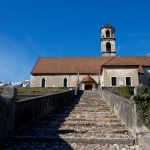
[{"x": 39, "y": 97}]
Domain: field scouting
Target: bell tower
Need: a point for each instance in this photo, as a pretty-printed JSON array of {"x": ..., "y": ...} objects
[{"x": 108, "y": 40}]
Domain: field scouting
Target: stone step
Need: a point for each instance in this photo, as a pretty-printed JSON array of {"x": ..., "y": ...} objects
[
  {"x": 91, "y": 123},
  {"x": 84, "y": 123},
  {"x": 95, "y": 128},
  {"x": 55, "y": 126},
  {"x": 114, "y": 131},
  {"x": 78, "y": 114},
  {"x": 88, "y": 117},
  {"x": 73, "y": 140},
  {"x": 90, "y": 105},
  {"x": 81, "y": 118},
  {"x": 63, "y": 145}
]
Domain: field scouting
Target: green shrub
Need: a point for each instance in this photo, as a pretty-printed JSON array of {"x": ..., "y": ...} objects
[
  {"x": 144, "y": 89},
  {"x": 126, "y": 91},
  {"x": 142, "y": 100}
]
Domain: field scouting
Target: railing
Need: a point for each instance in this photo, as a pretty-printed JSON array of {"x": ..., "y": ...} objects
[{"x": 15, "y": 115}]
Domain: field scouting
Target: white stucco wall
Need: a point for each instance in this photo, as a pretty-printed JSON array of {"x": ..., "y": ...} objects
[
  {"x": 105, "y": 39},
  {"x": 103, "y": 32},
  {"x": 120, "y": 75},
  {"x": 105, "y": 78},
  {"x": 58, "y": 80},
  {"x": 103, "y": 45}
]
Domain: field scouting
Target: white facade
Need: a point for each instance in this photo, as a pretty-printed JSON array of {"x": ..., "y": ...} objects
[
  {"x": 58, "y": 81},
  {"x": 121, "y": 75},
  {"x": 109, "y": 77}
]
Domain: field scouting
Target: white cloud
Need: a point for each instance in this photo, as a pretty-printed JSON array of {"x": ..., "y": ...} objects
[
  {"x": 120, "y": 47},
  {"x": 141, "y": 42},
  {"x": 144, "y": 42}
]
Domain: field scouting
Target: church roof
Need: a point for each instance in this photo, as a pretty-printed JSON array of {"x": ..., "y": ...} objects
[
  {"x": 72, "y": 65},
  {"x": 62, "y": 65},
  {"x": 140, "y": 60},
  {"x": 119, "y": 61}
]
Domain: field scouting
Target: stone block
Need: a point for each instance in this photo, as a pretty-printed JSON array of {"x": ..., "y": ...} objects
[
  {"x": 10, "y": 92},
  {"x": 137, "y": 89}
]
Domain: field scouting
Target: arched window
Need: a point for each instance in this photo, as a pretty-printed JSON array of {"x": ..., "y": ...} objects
[
  {"x": 108, "y": 47},
  {"x": 107, "y": 33},
  {"x": 43, "y": 82},
  {"x": 65, "y": 82}
]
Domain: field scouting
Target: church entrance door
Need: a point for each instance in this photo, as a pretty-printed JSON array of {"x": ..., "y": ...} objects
[{"x": 88, "y": 87}]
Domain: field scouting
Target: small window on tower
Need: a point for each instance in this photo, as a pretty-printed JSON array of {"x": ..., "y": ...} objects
[
  {"x": 107, "y": 33},
  {"x": 108, "y": 47}
]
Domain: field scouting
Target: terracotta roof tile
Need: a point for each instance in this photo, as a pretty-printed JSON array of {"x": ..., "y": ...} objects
[
  {"x": 88, "y": 79},
  {"x": 140, "y": 60},
  {"x": 68, "y": 65},
  {"x": 119, "y": 61}
]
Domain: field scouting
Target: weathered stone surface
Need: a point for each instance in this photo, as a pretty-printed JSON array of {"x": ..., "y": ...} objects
[
  {"x": 10, "y": 92},
  {"x": 5, "y": 110},
  {"x": 127, "y": 112},
  {"x": 16, "y": 115},
  {"x": 137, "y": 89},
  {"x": 30, "y": 109},
  {"x": 64, "y": 128},
  {"x": 145, "y": 142}
]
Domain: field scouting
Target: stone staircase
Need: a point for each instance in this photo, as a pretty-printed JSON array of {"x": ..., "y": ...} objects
[{"x": 85, "y": 122}]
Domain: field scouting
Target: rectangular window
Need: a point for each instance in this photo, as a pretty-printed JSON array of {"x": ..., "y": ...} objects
[
  {"x": 113, "y": 81},
  {"x": 128, "y": 81}
]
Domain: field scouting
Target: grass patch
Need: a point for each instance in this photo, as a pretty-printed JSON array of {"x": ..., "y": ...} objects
[
  {"x": 37, "y": 90},
  {"x": 125, "y": 91}
]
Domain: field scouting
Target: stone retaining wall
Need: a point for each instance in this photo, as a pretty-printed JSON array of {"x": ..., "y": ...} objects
[
  {"x": 126, "y": 111},
  {"x": 30, "y": 109},
  {"x": 15, "y": 115},
  {"x": 5, "y": 115},
  {"x": 122, "y": 107}
]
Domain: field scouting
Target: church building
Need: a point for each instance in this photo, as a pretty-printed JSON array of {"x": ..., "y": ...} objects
[{"x": 88, "y": 72}]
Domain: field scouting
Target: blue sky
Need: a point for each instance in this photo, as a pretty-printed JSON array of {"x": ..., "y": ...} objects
[{"x": 62, "y": 28}]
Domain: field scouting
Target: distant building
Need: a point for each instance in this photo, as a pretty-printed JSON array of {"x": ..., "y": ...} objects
[{"x": 108, "y": 70}]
